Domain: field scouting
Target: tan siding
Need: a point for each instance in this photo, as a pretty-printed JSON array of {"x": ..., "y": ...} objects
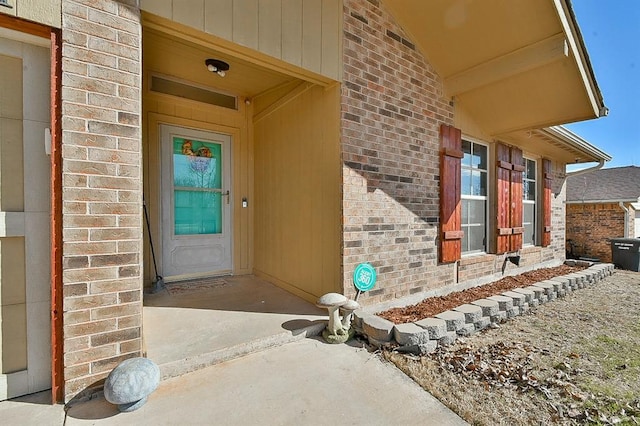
[
  {"x": 331, "y": 37},
  {"x": 305, "y": 33},
  {"x": 292, "y": 31},
  {"x": 189, "y": 12},
  {"x": 311, "y": 27},
  {"x": 297, "y": 181},
  {"x": 270, "y": 27},
  {"x": 13, "y": 336},
  {"x": 11, "y": 150},
  {"x": 245, "y": 23},
  {"x": 216, "y": 18},
  {"x": 162, "y": 8},
  {"x": 44, "y": 12}
]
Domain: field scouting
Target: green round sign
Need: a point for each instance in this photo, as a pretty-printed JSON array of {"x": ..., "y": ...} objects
[{"x": 364, "y": 277}]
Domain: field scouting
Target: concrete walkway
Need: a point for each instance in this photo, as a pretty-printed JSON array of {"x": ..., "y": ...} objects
[{"x": 307, "y": 382}]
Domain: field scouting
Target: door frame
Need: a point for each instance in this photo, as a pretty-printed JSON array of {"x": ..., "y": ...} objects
[
  {"x": 167, "y": 186},
  {"x": 152, "y": 186}
]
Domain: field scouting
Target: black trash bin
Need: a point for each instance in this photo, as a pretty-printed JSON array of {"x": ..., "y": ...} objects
[{"x": 625, "y": 253}]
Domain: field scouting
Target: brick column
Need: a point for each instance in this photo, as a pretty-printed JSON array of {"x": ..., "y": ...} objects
[{"x": 102, "y": 188}]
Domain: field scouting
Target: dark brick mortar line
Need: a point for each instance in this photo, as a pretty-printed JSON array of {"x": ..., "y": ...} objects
[{"x": 424, "y": 336}]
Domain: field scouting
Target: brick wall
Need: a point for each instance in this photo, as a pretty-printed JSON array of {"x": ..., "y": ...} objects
[
  {"x": 590, "y": 225},
  {"x": 392, "y": 108},
  {"x": 102, "y": 188}
]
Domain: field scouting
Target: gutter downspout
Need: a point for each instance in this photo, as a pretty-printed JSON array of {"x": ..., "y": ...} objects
[
  {"x": 587, "y": 170},
  {"x": 626, "y": 219}
]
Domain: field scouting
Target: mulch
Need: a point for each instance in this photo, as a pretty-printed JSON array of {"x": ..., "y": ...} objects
[{"x": 435, "y": 305}]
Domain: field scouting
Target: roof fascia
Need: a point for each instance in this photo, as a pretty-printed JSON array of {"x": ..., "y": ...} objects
[{"x": 566, "y": 136}]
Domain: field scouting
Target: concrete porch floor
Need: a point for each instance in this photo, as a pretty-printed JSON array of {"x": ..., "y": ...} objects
[{"x": 195, "y": 324}]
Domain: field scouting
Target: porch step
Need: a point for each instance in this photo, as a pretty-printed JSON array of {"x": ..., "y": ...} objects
[{"x": 197, "y": 362}]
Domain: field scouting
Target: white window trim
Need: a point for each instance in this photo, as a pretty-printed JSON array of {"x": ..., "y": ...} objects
[
  {"x": 485, "y": 198},
  {"x": 537, "y": 238}
]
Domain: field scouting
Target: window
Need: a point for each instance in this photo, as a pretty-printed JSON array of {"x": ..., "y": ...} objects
[
  {"x": 529, "y": 191},
  {"x": 474, "y": 197}
]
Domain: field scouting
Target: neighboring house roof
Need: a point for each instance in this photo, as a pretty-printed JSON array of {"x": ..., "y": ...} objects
[{"x": 605, "y": 185}]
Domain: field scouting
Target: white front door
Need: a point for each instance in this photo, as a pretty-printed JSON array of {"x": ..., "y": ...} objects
[{"x": 196, "y": 203}]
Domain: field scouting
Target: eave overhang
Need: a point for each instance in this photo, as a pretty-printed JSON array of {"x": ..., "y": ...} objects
[
  {"x": 558, "y": 143},
  {"x": 511, "y": 65}
]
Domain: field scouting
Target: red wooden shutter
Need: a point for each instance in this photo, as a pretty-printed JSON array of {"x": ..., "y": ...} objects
[
  {"x": 450, "y": 221},
  {"x": 503, "y": 216},
  {"x": 516, "y": 199},
  {"x": 546, "y": 202}
]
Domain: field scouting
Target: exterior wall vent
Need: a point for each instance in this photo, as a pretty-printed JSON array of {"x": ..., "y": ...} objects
[{"x": 198, "y": 94}]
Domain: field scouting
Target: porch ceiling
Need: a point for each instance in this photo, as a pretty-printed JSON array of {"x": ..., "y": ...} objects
[
  {"x": 512, "y": 65},
  {"x": 183, "y": 59}
]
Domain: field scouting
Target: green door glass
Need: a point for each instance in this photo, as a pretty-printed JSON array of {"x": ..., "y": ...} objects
[{"x": 197, "y": 187}]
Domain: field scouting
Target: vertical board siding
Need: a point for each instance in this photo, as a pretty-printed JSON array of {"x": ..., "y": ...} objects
[
  {"x": 162, "y": 8},
  {"x": 312, "y": 34},
  {"x": 331, "y": 31},
  {"x": 297, "y": 194},
  {"x": 245, "y": 23},
  {"x": 292, "y": 31},
  {"x": 305, "y": 33},
  {"x": 270, "y": 27},
  {"x": 189, "y": 12},
  {"x": 216, "y": 18}
]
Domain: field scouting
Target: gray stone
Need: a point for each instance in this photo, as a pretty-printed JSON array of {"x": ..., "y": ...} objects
[
  {"x": 528, "y": 294},
  {"x": 410, "y": 334},
  {"x": 513, "y": 312},
  {"x": 561, "y": 293},
  {"x": 377, "y": 328},
  {"x": 499, "y": 317},
  {"x": 517, "y": 299},
  {"x": 548, "y": 286},
  {"x": 534, "y": 303},
  {"x": 455, "y": 320},
  {"x": 471, "y": 313},
  {"x": 489, "y": 307},
  {"x": 436, "y": 327},
  {"x": 570, "y": 262},
  {"x": 466, "y": 330},
  {"x": 504, "y": 302},
  {"x": 524, "y": 309},
  {"x": 420, "y": 349},
  {"x": 537, "y": 291},
  {"x": 356, "y": 320},
  {"x": 131, "y": 382},
  {"x": 379, "y": 344},
  {"x": 448, "y": 339},
  {"x": 559, "y": 283},
  {"x": 482, "y": 323}
]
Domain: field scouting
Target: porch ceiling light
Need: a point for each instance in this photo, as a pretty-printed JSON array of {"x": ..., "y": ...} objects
[{"x": 217, "y": 66}]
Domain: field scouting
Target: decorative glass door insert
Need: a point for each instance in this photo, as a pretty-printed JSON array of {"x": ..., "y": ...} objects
[{"x": 197, "y": 187}]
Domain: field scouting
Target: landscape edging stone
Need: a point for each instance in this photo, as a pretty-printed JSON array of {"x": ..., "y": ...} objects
[{"x": 444, "y": 328}]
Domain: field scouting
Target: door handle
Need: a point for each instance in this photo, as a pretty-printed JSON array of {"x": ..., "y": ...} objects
[{"x": 227, "y": 194}]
